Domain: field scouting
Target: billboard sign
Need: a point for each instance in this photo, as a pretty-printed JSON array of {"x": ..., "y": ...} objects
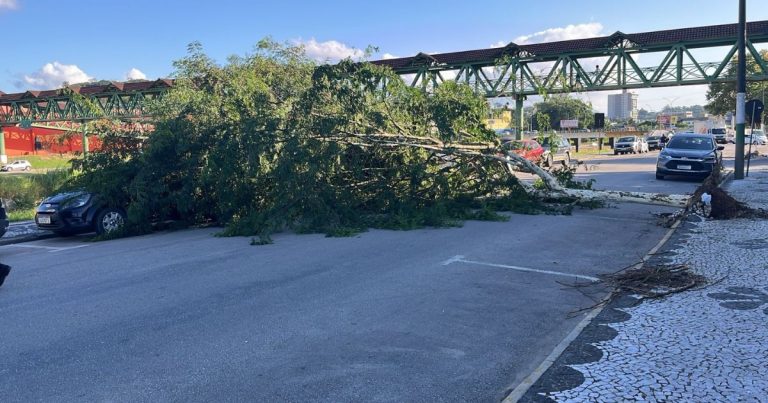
[{"x": 569, "y": 124}]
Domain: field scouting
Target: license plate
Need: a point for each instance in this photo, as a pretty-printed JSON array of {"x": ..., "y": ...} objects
[
  {"x": 43, "y": 219},
  {"x": 686, "y": 167}
]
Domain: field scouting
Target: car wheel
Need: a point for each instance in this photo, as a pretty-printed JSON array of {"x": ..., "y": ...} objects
[
  {"x": 615, "y": 153},
  {"x": 108, "y": 220},
  {"x": 27, "y": 168},
  {"x": 9, "y": 169}
]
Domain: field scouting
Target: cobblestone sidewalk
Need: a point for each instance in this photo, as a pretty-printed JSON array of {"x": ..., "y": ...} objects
[
  {"x": 22, "y": 231},
  {"x": 709, "y": 344}
]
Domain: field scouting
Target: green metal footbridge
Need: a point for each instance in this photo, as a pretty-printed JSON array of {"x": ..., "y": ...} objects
[
  {"x": 517, "y": 71},
  {"x": 593, "y": 64}
]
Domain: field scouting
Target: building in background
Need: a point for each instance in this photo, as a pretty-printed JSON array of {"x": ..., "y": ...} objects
[
  {"x": 44, "y": 141},
  {"x": 622, "y": 106}
]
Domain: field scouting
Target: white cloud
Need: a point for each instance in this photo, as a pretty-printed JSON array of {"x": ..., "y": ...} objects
[
  {"x": 329, "y": 50},
  {"x": 499, "y": 44},
  {"x": 135, "y": 74},
  {"x": 578, "y": 31},
  {"x": 8, "y": 4},
  {"x": 386, "y": 56},
  {"x": 53, "y": 75}
]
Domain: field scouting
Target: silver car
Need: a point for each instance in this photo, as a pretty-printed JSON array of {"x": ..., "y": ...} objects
[
  {"x": 18, "y": 165},
  {"x": 630, "y": 144},
  {"x": 688, "y": 154}
]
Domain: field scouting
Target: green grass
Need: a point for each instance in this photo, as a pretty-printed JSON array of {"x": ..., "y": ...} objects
[
  {"x": 21, "y": 215},
  {"x": 22, "y": 193},
  {"x": 45, "y": 162}
]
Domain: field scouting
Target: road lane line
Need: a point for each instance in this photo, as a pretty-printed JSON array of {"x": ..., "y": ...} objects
[
  {"x": 51, "y": 249},
  {"x": 599, "y": 217},
  {"x": 460, "y": 259},
  {"x": 33, "y": 246},
  {"x": 69, "y": 248}
]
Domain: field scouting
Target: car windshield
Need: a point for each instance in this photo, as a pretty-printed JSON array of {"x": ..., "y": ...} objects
[
  {"x": 545, "y": 142},
  {"x": 626, "y": 139},
  {"x": 718, "y": 131},
  {"x": 691, "y": 143},
  {"x": 654, "y": 138}
]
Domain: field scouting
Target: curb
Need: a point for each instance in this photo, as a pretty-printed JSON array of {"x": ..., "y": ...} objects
[
  {"x": 520, "y": 390},
  {"x": 25, "y": 238},
  {"x": 28, "y": 237}
]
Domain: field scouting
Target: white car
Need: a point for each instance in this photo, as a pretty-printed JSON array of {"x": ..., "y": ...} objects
[
  {"x": 18, "y": 165},
  {"x": 755, "y": 137}
]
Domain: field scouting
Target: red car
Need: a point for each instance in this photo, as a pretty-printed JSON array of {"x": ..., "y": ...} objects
[{"x": 528, "y": 149}]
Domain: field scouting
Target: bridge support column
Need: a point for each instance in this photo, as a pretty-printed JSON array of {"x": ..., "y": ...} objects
[
  {"x": 3, "y": 157},
  {"x": 519, "y": 116},
  {"x": 86, "y": 148},
  {"x": 577, "y": 143}
]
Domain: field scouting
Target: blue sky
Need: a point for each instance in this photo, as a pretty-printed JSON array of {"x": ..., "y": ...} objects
[{"x": 46, "y": 42}]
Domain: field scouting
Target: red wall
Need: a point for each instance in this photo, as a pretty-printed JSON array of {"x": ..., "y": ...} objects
[{"x": 20, "y": 141}]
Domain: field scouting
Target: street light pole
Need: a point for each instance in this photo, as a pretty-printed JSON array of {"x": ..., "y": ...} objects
[{"x": 741, "y": 91}]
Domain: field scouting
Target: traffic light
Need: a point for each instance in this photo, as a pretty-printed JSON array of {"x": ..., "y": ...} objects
[
  {"x": 599, "y": 120},
  {"x": 754, "y": 110}
]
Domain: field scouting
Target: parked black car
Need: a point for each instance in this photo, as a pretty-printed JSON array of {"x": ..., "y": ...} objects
[
  {"x": 77, "y": 212},
  {"x": 688, "y": 154},
  {"x": 3, "y": 220}
]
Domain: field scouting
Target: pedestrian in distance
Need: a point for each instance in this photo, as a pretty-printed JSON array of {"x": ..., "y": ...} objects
[{"x": 4, "y": 270}]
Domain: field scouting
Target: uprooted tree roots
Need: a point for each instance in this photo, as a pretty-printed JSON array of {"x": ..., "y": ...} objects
[
  {"x": 723, "y": 206},
  {"x": 654, "y": 281}
]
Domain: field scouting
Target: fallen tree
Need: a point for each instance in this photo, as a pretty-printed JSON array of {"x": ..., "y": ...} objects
[
  {"x": 445, "y": 139},
  {"x": 272, "y": 141}
]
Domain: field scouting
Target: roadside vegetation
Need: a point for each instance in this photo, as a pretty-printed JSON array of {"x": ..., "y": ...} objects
[
  {"x": 23, "y": 192},
  {"x": 47, "y": 162}
]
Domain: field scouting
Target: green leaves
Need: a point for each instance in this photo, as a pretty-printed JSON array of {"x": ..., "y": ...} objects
[
  {"x": 721, "y": 97},
  {"x": 560, "y": 107},
  {"x": 270, "y": 141}
]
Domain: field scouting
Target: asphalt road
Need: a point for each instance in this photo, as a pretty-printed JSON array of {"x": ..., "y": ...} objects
[
  {"x": 636, "y": 172},
  {"x": 384, "y": 316},
  {"x": 633, "y": 172}
]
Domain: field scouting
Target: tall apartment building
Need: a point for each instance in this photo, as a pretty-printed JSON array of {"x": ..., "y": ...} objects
[{"x": 622, "y": 106}]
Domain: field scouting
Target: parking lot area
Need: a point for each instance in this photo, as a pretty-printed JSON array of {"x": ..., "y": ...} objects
[{"x": 434, "y": 314}]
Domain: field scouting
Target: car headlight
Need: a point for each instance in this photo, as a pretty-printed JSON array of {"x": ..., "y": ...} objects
[
  {"x": 78, "y": 201},
  {"x": 664, "y": 157}
]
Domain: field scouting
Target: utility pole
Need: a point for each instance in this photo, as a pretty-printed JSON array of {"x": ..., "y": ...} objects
[{"x": 741, "y": 91}]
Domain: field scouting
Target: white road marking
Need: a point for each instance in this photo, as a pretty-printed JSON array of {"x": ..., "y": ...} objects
[
  {"x": 460, "y": 259},
  {"x": 600, "y": 217},
  {"x": 51, "y": 249}
]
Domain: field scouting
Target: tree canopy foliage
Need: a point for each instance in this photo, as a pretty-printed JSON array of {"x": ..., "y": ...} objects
[
  {"x": 271, "y": 140},
  {"x": 721, "y": 97},
  {"x": 564, "y": 107}
]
